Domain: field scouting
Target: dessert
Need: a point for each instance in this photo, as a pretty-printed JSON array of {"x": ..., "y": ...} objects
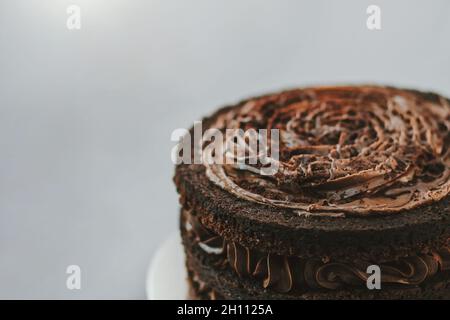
[{"x": 362, "y": 179}]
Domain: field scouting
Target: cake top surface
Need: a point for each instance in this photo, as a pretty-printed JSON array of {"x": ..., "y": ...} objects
[{"x": 338, "y": 151}]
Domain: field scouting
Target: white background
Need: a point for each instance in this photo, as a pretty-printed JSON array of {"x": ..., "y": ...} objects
[{"x": 86, "y": 116}]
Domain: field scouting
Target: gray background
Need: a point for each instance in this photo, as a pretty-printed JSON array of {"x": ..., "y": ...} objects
[{"x": 86, "y": 116}]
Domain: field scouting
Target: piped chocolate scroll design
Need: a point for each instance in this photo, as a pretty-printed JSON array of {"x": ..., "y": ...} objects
[
  {"x": 293, "y": 274},
  {"x": 345, "y": 150}
]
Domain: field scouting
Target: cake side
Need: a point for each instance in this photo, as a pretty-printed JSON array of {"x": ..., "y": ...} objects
[
  {"x": 215, "y": 274},
  {"x": 265, "y": 228}
]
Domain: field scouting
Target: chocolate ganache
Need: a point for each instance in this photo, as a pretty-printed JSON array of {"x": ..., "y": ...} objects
[
  {"x": 344, "y": 151},
  {"x": 290, "y": 273}
]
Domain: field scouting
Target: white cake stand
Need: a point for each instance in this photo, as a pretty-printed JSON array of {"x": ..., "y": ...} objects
[{"x": 166, "y": 275}]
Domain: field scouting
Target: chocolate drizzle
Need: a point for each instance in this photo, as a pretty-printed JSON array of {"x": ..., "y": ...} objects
[
  {"x": 344, "y": 150},
  {"x": 289, "y": 273}
]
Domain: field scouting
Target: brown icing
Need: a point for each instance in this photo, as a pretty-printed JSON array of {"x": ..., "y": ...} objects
[
  {"x": 344, "y": 150},
  {"x": 289, "y": 273}
]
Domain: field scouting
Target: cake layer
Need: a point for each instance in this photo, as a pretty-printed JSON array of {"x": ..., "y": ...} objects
[
  {"x": 290, "y": 274},
  {"x": 202, "y": 277},
  {"x": 270, "y": 229}
]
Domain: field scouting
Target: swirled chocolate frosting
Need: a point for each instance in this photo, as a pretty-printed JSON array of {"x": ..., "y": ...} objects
[
  {"x": 290, "y": 273},
  {"x": 344, "y": 150}
]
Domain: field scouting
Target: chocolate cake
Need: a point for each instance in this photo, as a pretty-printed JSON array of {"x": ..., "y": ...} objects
[{"x": 361, "y": 179}]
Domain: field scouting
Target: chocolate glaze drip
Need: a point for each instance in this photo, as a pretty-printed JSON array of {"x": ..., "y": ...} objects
[
  {"x": 289, "y": 273},
  {"x": 344, "y": 150}
]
